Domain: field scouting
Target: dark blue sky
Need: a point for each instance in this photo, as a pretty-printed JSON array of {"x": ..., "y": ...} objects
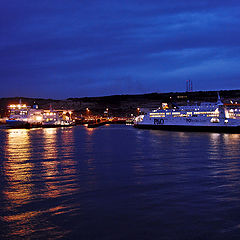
[{"x": 76, "y": 48}]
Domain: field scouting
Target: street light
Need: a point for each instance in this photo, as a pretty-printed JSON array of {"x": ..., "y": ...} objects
[
  {"x": 87, "y": 111},
  {"x": 106, "y": 112}
]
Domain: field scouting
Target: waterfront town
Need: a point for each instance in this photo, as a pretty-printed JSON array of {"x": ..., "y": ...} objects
[{"x": 97, "y": 111}]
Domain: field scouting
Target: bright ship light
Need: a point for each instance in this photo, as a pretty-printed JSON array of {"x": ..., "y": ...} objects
[{"x": 39, "y": 118}]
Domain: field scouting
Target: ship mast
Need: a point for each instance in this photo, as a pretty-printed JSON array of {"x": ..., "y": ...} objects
[{"x": 221, "y": 109}]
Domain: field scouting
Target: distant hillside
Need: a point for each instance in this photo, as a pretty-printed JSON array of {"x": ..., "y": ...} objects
[{"x": 121, "y": 105}]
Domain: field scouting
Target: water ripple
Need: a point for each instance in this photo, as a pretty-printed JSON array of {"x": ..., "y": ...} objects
[{"x": 117, "y": 182}]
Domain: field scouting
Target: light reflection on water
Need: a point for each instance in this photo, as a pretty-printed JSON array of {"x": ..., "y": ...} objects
[
  {"x": 18, "y": 169},
  {"x": 117, "y": 182},
  {"x": 29, "y": 178}
]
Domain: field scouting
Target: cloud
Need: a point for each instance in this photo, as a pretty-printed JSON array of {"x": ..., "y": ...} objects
[{"x": 49, "y": 46}]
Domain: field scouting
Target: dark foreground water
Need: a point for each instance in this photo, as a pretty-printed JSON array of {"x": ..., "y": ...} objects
[{"x": 117, "y": 182}]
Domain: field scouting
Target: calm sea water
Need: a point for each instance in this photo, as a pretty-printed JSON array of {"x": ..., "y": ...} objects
[{"x": 118, "y": 182}]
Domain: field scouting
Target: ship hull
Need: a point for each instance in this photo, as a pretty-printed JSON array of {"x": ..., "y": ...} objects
[
  {"x": 192, "y": 128},
  {"x": 17, "y": 124},
  {"x": 24, "y": 124}
]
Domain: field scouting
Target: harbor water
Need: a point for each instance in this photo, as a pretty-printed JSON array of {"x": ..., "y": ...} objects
[{"x": 118, "y": 182}]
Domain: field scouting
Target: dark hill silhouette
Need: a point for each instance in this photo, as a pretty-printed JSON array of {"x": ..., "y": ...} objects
[{"x": 120, "y": 105}]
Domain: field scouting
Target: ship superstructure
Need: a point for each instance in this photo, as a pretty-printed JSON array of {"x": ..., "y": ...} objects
[
  {"x": 21, "y": 115},
  {"x": 205, "y": 116}
]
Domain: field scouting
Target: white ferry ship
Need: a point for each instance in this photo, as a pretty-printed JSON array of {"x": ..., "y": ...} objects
[
  {"x": 212, "y": 117},
  {"x": 21, "y": 116}
]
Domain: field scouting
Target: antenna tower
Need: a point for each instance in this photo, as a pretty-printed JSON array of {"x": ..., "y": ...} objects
[{"x": 189, "y": 86}]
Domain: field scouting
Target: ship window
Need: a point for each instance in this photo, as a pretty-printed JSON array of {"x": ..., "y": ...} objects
[{"x": 157, "y": 114}]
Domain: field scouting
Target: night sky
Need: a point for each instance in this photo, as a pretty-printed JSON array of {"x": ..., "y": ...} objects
[{"x": 76, "y": 48}]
